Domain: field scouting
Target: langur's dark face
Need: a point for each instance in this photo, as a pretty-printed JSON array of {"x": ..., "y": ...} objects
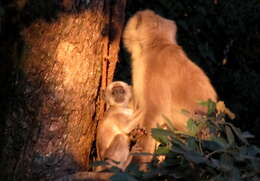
[{"x": 118, "y": 93}]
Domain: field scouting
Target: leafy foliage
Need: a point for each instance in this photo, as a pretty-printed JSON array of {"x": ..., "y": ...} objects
[{"x": 211, "y": 150}]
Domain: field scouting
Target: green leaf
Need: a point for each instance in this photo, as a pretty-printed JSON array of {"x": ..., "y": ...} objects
[
  {"x": 214, "y": 163},
  {"x": 122, "y": 176},
  {"x": 177, "y": 149},
  {"x": 230, "y": 136},
  {"x": 247, "y": 134},
  {"x": 238, "y": 157},
  {"x": 192, "y": 127},
  {"x": 210, "y": 105},
  {"x": 253, "y": 150},
  {"x": 133, "y": 170},
  {"x": 161, "y": 135},
  {"x": 238, "y": 133},
  {"x": 185, "y": 112},
  {"x": 195, "y": 157},
  {"x": 169, "y": 123},
  {"x": 218, "y": 178},
  {"x": 212, "y": 145},
  {"x": 114, "y": 169},
  {"x": 191, "y": 143},
  {"x": 248, "y": 152},
  {"x": 226, "y": 162},
  {"x": 221, "y": 142},
  {"x": 162, "y": 150},
  {"x": 203, "y": 103},
  {"x": 190, "y": 155}
]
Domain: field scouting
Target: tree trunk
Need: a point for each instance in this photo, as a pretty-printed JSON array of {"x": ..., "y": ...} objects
[{"x": 52, "y": 121}]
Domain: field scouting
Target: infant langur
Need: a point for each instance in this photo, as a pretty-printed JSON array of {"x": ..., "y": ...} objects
[{"x": 118, "y": 125}]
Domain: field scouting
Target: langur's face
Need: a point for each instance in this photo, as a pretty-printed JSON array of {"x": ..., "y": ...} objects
[{"x": 118, "y": 93}]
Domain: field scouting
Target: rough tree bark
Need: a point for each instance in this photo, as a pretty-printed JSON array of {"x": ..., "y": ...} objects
[{"x": 51, "y": 126}]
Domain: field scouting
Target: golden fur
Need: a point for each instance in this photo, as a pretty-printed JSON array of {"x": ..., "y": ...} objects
[
  {"x": 112, "y": 134},
  {"x": 165, "y": 80}
]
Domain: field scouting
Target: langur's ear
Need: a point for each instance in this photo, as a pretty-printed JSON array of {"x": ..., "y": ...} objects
[{"x": 138, "y": 21}]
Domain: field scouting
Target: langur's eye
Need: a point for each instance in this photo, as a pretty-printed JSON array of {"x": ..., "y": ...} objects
[{"x": 121, "y": 91}]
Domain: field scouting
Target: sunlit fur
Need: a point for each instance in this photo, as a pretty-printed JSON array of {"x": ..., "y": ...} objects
[
  {"x": 165, "y": 80},
  {"x": 112, "y": 133}
]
